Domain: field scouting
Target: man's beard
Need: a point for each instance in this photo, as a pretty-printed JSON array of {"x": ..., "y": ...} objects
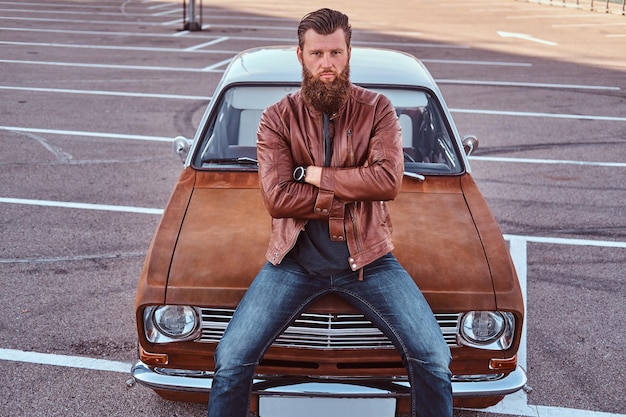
[{"x": 326, "y": 97}]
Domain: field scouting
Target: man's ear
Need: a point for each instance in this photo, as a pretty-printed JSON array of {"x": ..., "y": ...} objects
[{"x": 299, "y": 54}]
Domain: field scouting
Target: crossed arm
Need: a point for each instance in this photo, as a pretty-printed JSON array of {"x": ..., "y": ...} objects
[{"x": 282, "y": 147}]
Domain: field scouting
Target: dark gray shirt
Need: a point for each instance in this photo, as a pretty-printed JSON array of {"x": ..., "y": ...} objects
[{"x": 316, "y": 253}]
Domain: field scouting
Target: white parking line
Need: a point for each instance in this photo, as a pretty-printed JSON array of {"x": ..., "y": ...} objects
[
  {"x": 83, "y": 206},
  {"x": 106, "y": 93},
  {"x": 517, "y": 404},
  {"x": 548, "y": 161},
  {"x": 98, "y": 32},
  {"x": 533, "y": 85},
  {"x": 214, "y": 67},
  {"x": 167, "y": 12},
  {"x": 162, "y": 6},
  {"x": 547, "y": 16},
  {"x": 64, "y": 360},
  {"x": 87, "y": 134},
  {"x": 115, "y": 14},
  {"x": 535, "y": 114},
  {"x": 525, "y": 37},
  {"x": 169, "y": 139},
  {"x": 566, "y": 241},
  {"x": 589, "y": 25},
  {"x": 107, "y": 66},
  {"x": 211, "y": 69},
  {"x": 73, "y": 5},
  {"x": 203, "y": 36},
  {"x": 453, "y": 110},
  {"x": 209, "y": 43},
  {"x": 179, "y": 21},
  {"x": 468, "y": 62},
  {"x": 75, "y": 258},
  {"x": 198, "y": 49},
  {"x": 109, "y": 22},
  {"x": 193, "y": 49}
]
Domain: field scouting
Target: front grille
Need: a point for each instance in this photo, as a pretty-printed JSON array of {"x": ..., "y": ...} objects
[{"x": 324, "y": 331}]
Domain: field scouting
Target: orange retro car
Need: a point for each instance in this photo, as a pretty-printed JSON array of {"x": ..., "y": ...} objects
[{"x": 212, "y": 238}]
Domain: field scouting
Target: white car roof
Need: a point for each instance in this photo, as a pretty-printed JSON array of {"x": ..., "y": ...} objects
[{"x": 368, "y": 66}]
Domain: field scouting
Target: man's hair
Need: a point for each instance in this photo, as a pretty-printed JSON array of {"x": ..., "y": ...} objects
[{"x": 324, "y": 22}]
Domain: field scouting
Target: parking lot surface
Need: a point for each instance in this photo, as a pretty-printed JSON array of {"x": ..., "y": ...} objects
[{"x": 94, "y": 91}]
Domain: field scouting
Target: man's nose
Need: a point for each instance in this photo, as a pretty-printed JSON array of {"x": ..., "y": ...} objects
[{"x": 326, "y": 61}]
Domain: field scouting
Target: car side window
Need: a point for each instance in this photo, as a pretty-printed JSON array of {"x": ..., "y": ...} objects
[
  {"x": 426, "y": 139},
  {"x": 231, "y": 134}
]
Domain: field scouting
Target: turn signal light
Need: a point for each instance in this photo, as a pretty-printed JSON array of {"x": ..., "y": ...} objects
[
  {"x": 507, "y": 364},
  {"x": 152, "y": 358}
]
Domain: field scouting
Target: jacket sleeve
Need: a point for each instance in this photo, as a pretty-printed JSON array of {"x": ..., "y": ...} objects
[
  {"x": 380, "y": 177},
  {"x": 283, "y": 197}
]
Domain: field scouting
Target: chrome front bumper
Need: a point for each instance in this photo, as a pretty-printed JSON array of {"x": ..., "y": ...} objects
[{"x": 185, "y": 381}]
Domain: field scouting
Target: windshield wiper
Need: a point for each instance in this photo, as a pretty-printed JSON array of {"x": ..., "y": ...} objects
[{"x": 243, "y": 160}]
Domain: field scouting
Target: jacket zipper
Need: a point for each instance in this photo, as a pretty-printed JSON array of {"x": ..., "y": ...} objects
[
  {"x": 350, "y": 149},
  {"x": 355, "y": 228}
]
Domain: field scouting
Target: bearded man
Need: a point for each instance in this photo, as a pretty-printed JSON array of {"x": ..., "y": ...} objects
[{"x": 330, "y": 157}]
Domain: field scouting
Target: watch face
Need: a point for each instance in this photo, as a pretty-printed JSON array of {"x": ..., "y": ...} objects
[{"x": 299, "y": 173}]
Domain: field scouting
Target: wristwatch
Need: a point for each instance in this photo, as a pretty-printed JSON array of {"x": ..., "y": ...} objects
[{"x": 299, "y": 173}]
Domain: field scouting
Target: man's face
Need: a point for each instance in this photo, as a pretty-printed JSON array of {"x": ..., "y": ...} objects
[
  {"x": 324, "y": 56},
  {"x": 325, "y": 70}
]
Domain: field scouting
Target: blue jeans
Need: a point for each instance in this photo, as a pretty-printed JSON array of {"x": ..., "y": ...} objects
[{"x": 387, "y": 296}]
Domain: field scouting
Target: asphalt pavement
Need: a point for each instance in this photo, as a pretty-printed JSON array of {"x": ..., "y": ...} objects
[{"x": 93, "y": 91}]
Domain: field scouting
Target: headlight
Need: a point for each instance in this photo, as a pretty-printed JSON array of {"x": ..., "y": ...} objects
[
  {"x": 492, "y": 330},
  {"x": 171, "y": 323}
]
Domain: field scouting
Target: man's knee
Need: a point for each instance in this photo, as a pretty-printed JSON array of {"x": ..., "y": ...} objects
[
  {"x": 435, "y": 362},
  {"x": 232, "y": 360}
]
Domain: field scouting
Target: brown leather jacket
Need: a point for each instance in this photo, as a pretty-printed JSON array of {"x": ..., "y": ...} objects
[{"x": 366, "y": 171}]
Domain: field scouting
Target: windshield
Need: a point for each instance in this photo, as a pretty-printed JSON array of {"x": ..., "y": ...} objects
[{"x": 230, "y": 138}]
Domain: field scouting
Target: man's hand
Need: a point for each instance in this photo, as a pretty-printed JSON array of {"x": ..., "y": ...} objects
[{"x": 313, "y": 175}]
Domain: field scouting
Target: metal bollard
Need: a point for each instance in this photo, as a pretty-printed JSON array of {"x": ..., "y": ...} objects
[{"x": 192, "y": 19}]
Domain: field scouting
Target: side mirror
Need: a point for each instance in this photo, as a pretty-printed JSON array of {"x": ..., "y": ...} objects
[
  {"x": 470, "y": 144},
  {"x": 181, "y": 146}
]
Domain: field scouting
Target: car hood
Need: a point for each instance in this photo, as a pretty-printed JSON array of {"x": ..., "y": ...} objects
[{"x": 223, "y": 238}]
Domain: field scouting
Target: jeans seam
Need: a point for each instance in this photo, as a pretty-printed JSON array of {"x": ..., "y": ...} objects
[
  {"x": 295, "y": 314},
  {"x": 377, "y": 313},
  {"x": 397, "y": 337}
]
